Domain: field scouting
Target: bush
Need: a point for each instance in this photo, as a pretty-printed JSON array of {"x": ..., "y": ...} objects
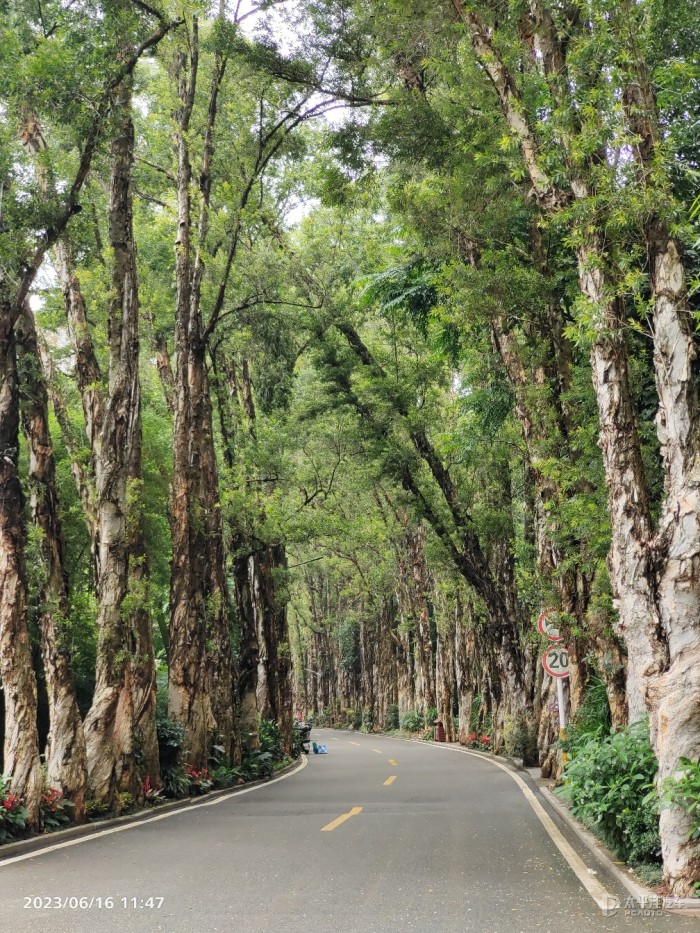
[
  {"x": 412, "y": 721},
  {"x": 223, "y": 776},
  {"x": 591, "y": 720},
  {"x": 391, "y": 720},
  {"x": 431, "y": 716},
  {"x": 199, "y": 781},
  {"x": 13, "y": 813},
  {"x": 477, "y": 740},
  {"x": 270, "y": 739},
  {"x": 611, "y": 785},
  {"x": 683, "y": 789},
  {"x": 55, "y": 809},
  {"x": 172, "y": 771},
  {"x": 518, "y": 740}
]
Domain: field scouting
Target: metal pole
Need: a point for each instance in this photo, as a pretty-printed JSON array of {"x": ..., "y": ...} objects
[{"x": 561, "y": 705}]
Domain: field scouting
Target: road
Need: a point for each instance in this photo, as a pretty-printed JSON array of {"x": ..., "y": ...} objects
[{"x": 451, "y": 844}]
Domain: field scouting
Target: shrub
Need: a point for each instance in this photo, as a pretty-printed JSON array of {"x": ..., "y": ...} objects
[
  {"x": 683, "y": 789},
  {"x": 431, "y": 716},
  {"x": 55, "y": 809},
  {"x": 170, "y": 737},
  {"x": 13, "y": 813},
  {"x": 477, "y": 740},
  {"x": 150, "y": 794},
  {"x": 95, "y": 809},
  {"x": 391, "y": 720},
  {"x": 611, "y": 785},
  {"x": 412, "y": 721},
  {"x": 270, "y": 739},
  {"x": 199, "y": 781},
  {"x": 223, "y": 776},
  {"x": 518, "y": 740},
  {"x": 591, "y": 720}
]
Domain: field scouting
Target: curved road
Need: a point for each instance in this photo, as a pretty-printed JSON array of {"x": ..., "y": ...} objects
[{"x": 450, "y": 845}]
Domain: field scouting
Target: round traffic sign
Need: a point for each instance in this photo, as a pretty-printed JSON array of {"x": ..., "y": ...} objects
[
  {"x": 546, "y": 627},
  {"x": 555, "y": 661}
]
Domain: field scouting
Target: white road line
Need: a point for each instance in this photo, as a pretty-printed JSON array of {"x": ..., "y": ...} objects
[
  {"x": 147, "y": 822},
  {"x": 600, "y": 895}
]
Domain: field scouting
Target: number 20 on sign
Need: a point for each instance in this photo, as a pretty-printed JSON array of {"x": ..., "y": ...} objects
[{"x": 555, "y": 661}]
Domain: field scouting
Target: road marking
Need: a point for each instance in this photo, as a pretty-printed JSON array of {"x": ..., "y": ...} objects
[
  {"x": 355, "y": 743},
  {"x": 390, "y": 780},
  {"x": 600, "y": 895},
  {"x": 392, "y": 762},
  {"x": 334, "y": 824},
  {"x": 149, "y": 820},
  {"x": 377, "y": 751}
]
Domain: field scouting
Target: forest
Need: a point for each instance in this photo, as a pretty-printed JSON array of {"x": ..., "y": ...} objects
[{"x": 338, "y": 340}]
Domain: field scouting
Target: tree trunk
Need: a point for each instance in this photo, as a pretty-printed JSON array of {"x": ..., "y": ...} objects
[
  {"x": 110, "y": 726},
  {"x": 65, "y": 748},
  {"x": 446, "y": 679},
  {"x": 21, "y": 746},
  {"x": 416, "y": 543},
  {"x": 248, "y": 652}
]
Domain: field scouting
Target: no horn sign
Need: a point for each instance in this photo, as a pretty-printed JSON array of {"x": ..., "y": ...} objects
[{"x": 546, "y": 627}]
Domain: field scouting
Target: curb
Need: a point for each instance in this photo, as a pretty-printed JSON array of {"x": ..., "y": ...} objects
[{"x": 37, "y": 843}]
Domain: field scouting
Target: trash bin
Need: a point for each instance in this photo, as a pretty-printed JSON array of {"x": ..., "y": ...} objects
[{"x": 439, "y": 731}]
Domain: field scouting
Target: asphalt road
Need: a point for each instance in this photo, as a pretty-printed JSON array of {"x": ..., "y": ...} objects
[{"x": 450, "y": 845}]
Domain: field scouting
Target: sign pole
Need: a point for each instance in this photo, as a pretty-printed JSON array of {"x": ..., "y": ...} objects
[{"x": 560, "y": 704}]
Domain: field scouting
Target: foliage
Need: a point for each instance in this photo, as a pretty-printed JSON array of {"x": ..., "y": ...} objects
[
  {"x": 592, "y": 718},
  {"x": 519, "y": 740},
  {"x": 683, "y": 789},
  {"x": 94, "y": 809},
  {"x": 172, "y": 771},
  {"x": 611, "y": 785},
  {"x": 270, "y": 739},
  {"x": 412, "y": 721},
  {"x": 223, "y": 776},
  {"x": 199, "y": 780},
  {"x": 151, "y": 795},
  {"x": 55, "y": 809},
  {"x": 13, "y": 814},
  {"x": 477, "y": 740},
  {"x": 391, "y": 721}
]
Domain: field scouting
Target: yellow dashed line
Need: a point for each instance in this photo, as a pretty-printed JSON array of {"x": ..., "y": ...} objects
[
  {"x": 390, "y": 780},
  {"x": 392, "y": 762},
  {"x": 377, "y": 751},
  {"x": 334, "y": 824},
  {"x": 355, "y": 743}
]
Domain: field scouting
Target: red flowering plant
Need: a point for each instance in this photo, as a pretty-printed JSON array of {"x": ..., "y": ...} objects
[
  {"x": 200, "y": 781},
  {"x": 55, "y": 809},
  {"x": 13, "y": 813},
  {"x": 474, "y": 740},
  {"x": 151, "y": 794}
]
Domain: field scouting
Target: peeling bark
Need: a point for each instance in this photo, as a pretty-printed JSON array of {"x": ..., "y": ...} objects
[
  {"x": 21, "y": 747},
  {"x": 65, "y": 748}
]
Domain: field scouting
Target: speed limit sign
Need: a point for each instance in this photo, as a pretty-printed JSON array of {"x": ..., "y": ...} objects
[{"x": 555, "y": 661}]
